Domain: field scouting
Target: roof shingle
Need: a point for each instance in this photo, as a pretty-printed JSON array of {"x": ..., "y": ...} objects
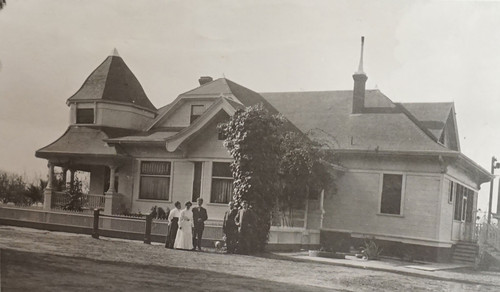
[
  {"x": 329, "y": 113},
  {"x": 113, "y": 81}
]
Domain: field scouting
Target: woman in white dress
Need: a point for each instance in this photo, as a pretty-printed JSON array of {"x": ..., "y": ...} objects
[{"x": 184, "y": 238}]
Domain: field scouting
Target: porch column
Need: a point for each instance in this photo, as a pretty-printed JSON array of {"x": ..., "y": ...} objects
[
  {"x": 71, "y": 178},
  {"x": 47, "y": 193},
  {"x": 64, "y": 175},
  {"x": 108, "y": 205}
]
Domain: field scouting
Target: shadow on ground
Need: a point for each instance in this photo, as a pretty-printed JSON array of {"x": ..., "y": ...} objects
[{"x": 24, "y": 271}]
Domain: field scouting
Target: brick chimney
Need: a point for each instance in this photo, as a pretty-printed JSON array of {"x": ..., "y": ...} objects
[
  {"x": 205, "y": 79},
  {"x": 358, "y": 94}
]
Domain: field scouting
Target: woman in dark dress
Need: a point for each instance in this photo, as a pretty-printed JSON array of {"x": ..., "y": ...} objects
[{"x": 173, "y": 221}]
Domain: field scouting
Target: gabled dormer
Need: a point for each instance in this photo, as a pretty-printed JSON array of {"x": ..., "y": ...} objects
[
  {"x": 189, "y": 106},
  {"x": 111, "y": 97},
  {"x": 449, "y": 136},
  {"x": 439, "y": 119}
]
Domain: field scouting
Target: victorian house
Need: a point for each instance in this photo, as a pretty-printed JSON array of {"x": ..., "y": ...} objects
[{"x": 403, "y": 179}]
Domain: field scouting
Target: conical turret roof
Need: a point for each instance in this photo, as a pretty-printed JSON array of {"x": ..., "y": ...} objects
[{"x": 113, "y": 81}]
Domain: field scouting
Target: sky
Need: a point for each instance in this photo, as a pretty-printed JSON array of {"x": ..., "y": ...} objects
[{"x": 415, "y": 51}]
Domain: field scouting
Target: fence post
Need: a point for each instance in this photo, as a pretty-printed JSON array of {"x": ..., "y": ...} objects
[
  {"x": 147, "y": 235},
  {"x": 95, "y": 229}
]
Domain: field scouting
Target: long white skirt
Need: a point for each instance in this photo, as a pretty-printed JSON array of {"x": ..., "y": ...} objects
[{"x": 184, "y": 238}]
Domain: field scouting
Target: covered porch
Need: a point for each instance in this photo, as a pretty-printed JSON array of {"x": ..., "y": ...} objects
[{"x": 82, "y": 149}]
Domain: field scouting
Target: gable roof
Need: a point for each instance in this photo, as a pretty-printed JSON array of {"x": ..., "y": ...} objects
[
  {"x": 218, "y": 86},
  {"x": 329, "y": 114},
  {"x": 222, "y": 87},
  {"x": 113, "y": 81},
  {"x": 432, "y": 115}
]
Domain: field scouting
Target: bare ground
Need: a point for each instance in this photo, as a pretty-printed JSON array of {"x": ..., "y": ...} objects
[{"x": 50, "y": 261}]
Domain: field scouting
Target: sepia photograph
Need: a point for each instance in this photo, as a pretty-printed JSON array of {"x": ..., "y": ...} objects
[{"x": 230, "y": 145}]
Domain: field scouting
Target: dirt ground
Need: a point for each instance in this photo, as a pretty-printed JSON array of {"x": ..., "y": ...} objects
[
  {"x": 80, "y": 274},
  {"x": 36, "y": 260}
]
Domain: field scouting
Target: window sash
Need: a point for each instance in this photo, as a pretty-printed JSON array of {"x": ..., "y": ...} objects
[
  {"x": 85, "y": 116},
  {"x": 464, "y": 202},
  {"x": 197, "y": 181},
  {"x": 392, "y": 187},
  {"x": 222, "y": 170},
  {"x": 451, "y": 191},
  {"x": 155, "y": 180},
  {"x": 155, "y": 168},
  {"x": 154, "y": 188},
  {"x": 458, "y": 203},
  {"x": 222, "y": 190},
  {"x": 196, "y": 112}
]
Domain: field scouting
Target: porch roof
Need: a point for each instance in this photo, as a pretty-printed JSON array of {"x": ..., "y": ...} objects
[{"x": 84, "y": 141}]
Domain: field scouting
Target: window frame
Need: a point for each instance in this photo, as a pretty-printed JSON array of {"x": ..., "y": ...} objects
[
  {"x": 402, "y": 194},
  {"x": 194, "y": 117},
  {"x": 212, "y": 177},
  {"x": 452, "y": 187},
  {"x": 169, "y": 176},
  {"x": 464, "y": 206},
  {"x": 201, "y": 164},
  {"x": 85, "y": 109}
]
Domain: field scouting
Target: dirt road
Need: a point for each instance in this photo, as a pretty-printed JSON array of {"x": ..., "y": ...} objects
[
  {"x": 35, "y": 260},
  {"x": 44, "y": 272}
]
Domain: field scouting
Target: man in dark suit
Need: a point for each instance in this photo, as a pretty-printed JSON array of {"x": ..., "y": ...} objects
[
  {"x": 199, "y": 218},
  {"x": 245, "y": 221},
  {"x": 230, "y": 229}
]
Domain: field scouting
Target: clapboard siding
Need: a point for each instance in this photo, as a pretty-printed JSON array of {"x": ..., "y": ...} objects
[
  {"x": 181, "y": 116},
  {"x": 355, "y": 206},
  {"x": 446, "y": 218},
  {"x": 207, "y": 143}
]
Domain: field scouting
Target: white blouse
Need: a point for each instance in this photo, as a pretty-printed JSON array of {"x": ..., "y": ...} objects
[
  {"x": 186, "y": 218},
  {"x": 174, "y": 213}
]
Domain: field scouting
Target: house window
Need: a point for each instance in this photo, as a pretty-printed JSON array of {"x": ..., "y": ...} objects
[
  {"x": 459, "y": 195},
  {"x": 155, "y": 180},
  {"x": 222, "y": 183},
  {"x": 450, "y": 194},
  {"x": 85, "y": 116},
  {"x": 197, "y": 181},
  {"x": 196, "y": 111},
  {"x": 392, "y": 188},
  {"x": 464, "y": 200}
]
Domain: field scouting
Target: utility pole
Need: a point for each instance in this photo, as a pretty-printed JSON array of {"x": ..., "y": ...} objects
[{"x": 494, "y": 165}]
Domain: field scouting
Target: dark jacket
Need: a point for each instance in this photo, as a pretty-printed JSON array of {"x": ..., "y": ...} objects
[
  {"x": 229, "y": 225},
  {"x": 244, "y": 219},
  {"x": 199, "y": 213}
]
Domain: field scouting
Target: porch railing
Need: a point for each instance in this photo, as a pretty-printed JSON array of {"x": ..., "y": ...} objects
[
  {"x": 490, "y": 235},
  {"x": 93, "y": 201},
  {"x": 59, "y": 199},
  {"x": 90, "y": 201},
  {"x": 293, "y": 218}
]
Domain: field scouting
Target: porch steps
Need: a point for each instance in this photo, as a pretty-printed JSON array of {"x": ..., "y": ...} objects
[{"x": 465, "y": 252}]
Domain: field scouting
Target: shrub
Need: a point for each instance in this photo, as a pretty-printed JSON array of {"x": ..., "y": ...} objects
[
  {"x": 371, "y": 251},
  {"x": 128, "y": 213},
  {"x": 159, "y": 212},
  {"x": 35, "y": 192},
  {"x": 75, "y": 195},
  {"x": 13, "y": 189}
]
